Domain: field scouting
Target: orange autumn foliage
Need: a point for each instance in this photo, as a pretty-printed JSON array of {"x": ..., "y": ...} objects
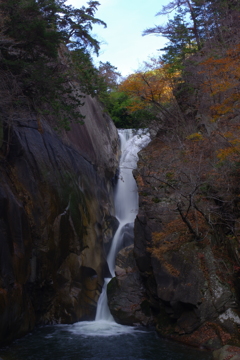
[
  {"x": 176, "y": 232},
  {"x": 171, "y": 239},
  {"x": 153, "y": 86},
  {"x": 223, "y": 76},
  {"x": 232, "y": 150}
]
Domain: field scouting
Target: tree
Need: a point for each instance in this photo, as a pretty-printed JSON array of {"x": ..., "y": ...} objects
[
  {"x": 76, "y": 25},
  {"x": 109, "y": 74},
  {"x": 118, "y": 104},
  {"x": 184, "y": 37},
  {"x": 196, "y": 196},
  {"x": 183, "y": 7},
  {"x": 188, "y": 8},
  {"x": 194, "y": 23},
  {"x": 180, "y": 44},
  {"x": 222, "y": 75},
  {"x": 43, "y": 24},
  {"x": 196, "y": 183},
  {"x": 86, "y": 73},
  {"x": 108, "y": 82},
  {"x": 152, "y": 88},
  {"x": 32, "y": 33}
]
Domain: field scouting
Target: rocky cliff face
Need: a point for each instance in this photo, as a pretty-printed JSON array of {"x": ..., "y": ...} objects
[
  {"x": 56, "y": 213},
  {"x": 188, "y": 283}
]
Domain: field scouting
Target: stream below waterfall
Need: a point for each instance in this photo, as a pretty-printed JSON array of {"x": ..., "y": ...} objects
[
  {"x": 104, "y": 338},
  {"x": 68, "y": 342}
]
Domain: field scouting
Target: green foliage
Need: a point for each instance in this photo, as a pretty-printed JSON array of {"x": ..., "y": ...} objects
[
  {"x": 32, "y": 33},
  {"x": 76, "y": 25},
  {"x": 86, "y": 73},
  {"x": 117, "y": 104},
  {"x": 181, "y": 43},
  {"x": 109, "y": 75},
  {"x": 194, "y": 23}
]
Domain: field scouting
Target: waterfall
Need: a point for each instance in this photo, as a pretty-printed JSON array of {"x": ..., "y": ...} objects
[
  {"x": 126, "y": 205},
  {"x": 126, "y": 208}
]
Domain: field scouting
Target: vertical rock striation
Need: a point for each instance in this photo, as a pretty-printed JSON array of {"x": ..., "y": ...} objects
[{"x": 55, "y": 210}]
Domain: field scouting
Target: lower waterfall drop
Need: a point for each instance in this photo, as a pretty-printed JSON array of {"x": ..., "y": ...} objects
[{"x": 126, "y": 208}]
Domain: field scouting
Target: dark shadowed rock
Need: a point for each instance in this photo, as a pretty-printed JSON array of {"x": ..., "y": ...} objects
[
  {"x": 55, "y": 206},
  {"x": 227, "y": 352},
  {"x": 189, "y": 284},
  {"x": 127, "y": 299},
  {"x": 111, "y": 227}
]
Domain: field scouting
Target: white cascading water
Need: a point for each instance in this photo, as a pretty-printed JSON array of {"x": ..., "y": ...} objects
[{"x": 126, "y": 208}]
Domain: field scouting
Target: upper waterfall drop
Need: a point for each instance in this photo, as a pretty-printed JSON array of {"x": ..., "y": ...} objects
[{"x": 126, "y": 192}]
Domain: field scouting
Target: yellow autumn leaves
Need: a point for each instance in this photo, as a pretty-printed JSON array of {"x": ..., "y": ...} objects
[{"x": 154, "y": 86}]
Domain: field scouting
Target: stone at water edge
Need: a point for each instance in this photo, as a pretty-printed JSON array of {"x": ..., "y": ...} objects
[
  {"x": 227, "y": 352},
  {"x": 126, "y": 296}
]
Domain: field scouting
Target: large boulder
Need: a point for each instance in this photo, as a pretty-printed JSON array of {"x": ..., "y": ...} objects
[{"x": 127, "y": 299}]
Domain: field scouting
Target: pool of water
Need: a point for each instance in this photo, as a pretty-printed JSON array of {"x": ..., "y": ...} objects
[{"x": 97, "y": 341}]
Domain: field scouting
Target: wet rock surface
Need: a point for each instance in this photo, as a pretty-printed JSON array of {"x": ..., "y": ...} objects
[
  {"x": 227, "y": 352},
  {"x": 126, "y": 295},
  {"x": 55, "y": 202}
]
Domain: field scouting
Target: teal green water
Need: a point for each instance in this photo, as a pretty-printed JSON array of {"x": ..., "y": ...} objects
[{"x": 64, "y": 342}]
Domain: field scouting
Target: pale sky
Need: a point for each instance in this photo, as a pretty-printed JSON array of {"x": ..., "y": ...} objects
[{"x": 122, "y": 42}]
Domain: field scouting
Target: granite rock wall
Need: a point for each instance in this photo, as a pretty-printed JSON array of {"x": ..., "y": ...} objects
[{"x": 56, "y": 214}]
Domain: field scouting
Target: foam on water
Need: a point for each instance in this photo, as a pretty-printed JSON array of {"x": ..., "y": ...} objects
[{"x": 101, "y": 328}]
